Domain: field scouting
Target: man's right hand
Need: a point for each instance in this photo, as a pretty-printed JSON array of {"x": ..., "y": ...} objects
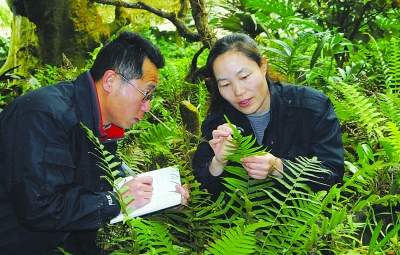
[{"x": 141, "y": 189}]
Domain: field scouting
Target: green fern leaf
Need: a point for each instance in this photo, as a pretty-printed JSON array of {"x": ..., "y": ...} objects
[
  {"x": 237, "y": 240},
  {"x": 363, "y": 108},
  {"x": 390, "y": 104},
  {"x": 154, "y": 236},
  {"x": 393, "y": 64}
]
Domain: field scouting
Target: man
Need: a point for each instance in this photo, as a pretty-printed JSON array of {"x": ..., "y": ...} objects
[{"x": 51, "y": 192}]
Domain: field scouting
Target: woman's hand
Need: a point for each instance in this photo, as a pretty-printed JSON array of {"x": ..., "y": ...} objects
[
  {"x": 221, "y": 139},
  {"x": 260, "y": 167}
]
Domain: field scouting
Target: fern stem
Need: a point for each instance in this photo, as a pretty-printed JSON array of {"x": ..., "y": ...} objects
[{"x": 154, "y": 116}]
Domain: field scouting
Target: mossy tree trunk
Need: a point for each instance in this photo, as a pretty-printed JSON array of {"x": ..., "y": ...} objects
[
  {"x": 23, "y": 51},
  {"x": 72, "y": 28},
  {"x": 65, "y": 27}
]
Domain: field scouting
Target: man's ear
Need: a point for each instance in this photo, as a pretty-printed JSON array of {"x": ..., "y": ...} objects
[{"x": 107, "y": 80}]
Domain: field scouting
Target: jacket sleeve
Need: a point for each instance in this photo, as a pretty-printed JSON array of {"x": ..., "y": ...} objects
[
  {"x": 203, "y": 156},
  {"x": 42, "y": 178},
  {"x": 326, "y": 144}
]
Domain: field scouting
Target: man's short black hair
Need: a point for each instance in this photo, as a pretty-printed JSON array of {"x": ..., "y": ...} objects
[{"x": 125, "y": 55}]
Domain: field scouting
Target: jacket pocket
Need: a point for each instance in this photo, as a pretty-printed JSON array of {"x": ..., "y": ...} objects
[
  {"x": 58, "y": 155},
  {"x": 58, "y": 166}
]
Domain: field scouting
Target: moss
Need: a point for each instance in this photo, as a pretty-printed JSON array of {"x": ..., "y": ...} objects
[{"x": 190, "y": 117}]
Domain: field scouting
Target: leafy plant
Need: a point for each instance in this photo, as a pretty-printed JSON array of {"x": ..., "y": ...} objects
[{"x": 4, "y": 46}]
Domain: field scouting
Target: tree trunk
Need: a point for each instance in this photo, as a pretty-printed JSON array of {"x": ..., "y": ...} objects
[
  {"x": 66, "y": 27},
  {"x": 72, "y": 28},
  {"x": 23, "y": 51},
  {"x": 69, "y": 27}
]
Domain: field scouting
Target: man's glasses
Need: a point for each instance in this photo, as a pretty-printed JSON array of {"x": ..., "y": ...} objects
[{"x": 147, "y": 95}]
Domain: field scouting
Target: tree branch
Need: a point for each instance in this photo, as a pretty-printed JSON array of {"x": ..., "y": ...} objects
[
  {"x": 183, "y": 30},
  {"x": 200, "y": 19}
]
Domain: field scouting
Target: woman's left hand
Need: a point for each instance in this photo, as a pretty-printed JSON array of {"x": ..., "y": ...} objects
[{"x": 260, "y": 167}]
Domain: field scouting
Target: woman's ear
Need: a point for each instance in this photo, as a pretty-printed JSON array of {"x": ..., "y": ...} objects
[{"x": 264, "y": 65}]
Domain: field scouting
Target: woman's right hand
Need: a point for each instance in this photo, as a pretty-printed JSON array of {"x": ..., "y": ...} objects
[{"x": 221, "y": 139}]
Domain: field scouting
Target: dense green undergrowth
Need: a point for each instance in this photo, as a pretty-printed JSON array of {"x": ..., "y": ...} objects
[{"x": 358, "y": 217}]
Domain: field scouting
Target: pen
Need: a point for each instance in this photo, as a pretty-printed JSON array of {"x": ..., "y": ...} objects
[{"x": 127, "y": 170}]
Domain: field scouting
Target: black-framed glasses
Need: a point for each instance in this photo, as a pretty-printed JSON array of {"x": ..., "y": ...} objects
[{"x": 147, "y": 95}]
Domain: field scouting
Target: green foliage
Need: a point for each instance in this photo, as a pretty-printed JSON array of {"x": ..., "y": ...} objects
[
  {"x": 240, "y": 239},
  {"x": 52, "y": 74},
  {"x": 8, "y": 93},
  {"x": 393, "y": 64},
  {"x": 5, "y": 17},
  {"x": 363, "y": 109},
  {"x": 304, "y": 44},
  {"x": 153, "y": 236},
  {"x": 254, "y": 217},
  {"x": 4, "y": 46}
]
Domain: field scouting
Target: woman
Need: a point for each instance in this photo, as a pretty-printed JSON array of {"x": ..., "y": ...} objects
[{"x": 289, "y": 120}]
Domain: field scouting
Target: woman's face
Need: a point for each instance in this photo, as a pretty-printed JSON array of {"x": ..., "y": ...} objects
[{"x": 242, "y": 82}]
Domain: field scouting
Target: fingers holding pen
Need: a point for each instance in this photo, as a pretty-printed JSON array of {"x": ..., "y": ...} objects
[{"x": 141, "y": 189}]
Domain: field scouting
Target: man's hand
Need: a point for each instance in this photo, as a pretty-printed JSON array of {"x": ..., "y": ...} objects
[
  {"x": 141, "y": 189},
  {"x": 184, "y": 191}
]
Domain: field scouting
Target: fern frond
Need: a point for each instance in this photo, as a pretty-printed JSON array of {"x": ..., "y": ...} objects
[
  {"x": 377, "y": 53},
  {"x": 390, "y": 104},
  {"x": 154, "y": 237},
  {"x": 393, "y": 64},
  {"x": 133, "y": 156},
  {"x": 237, "y": 240},
  {"x": 393, "y": 138},
  {"x": 299, "y": 207},
  {"x": 363, "y": 109},
  {"x": 106, "y": 159}
]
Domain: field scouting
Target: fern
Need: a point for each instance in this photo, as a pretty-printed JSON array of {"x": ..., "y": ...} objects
[
  {"x": 106, "y": 159},
  {"x": 363, "y": 109},
  {"x": 390, "y": 104},
  {"x": 393, "y": 64},
  {"x": 159, "y": 137},
  {"x": 290, "y": 214},
  {"x": 240, "y": 239},
  {"x": 299, "y": 209},
  {"x": 133, "y": 156},
  {"x": 393, "y": 138},
  {"x": 376, "y": 52},
  {"x": 154, "y": 236}
]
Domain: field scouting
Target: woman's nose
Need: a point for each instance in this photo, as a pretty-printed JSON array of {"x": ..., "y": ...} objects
[{"x": 239, "y": 89}]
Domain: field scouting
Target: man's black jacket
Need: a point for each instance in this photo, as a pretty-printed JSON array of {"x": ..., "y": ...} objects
[
  {"x": 303, "y": 123},
  {"x": 50, "y": 185}
]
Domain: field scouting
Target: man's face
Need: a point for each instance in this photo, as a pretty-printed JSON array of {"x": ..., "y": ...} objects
[{"x": 124, "y": 105}]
